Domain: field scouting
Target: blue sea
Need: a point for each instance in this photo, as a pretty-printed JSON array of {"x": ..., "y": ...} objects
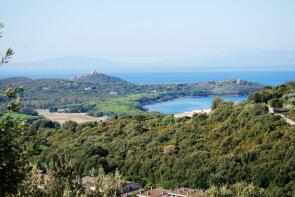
[{"x": 268, "y": 77}]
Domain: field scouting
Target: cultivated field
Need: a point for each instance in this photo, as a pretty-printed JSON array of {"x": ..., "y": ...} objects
[{"x": 63, "y": 117}]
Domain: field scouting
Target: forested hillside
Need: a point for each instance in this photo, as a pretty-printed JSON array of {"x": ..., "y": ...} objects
[{"x": 236, "y": 142}]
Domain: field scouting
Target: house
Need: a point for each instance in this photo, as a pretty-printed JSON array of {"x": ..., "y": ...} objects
[
  {"x": 133, "y": 193},
  {"x": 113, "y": 93},
  {"x": 157, "y": 192},
  {"x": 186, "y": 192},
  {"x": 238, "y": 81},
  {"x": 45, "y": 88},
  {"x": 130, "y": 186},
  {"x": 88, "y": 88},
  {"x": 94, "y": 72},
  {"x": 281, "y": 110}
]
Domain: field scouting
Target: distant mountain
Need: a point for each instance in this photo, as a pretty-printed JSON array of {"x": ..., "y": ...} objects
[
  {"x": 68, "y": 64},
  {"x": 250, "y": 59},
  {"x": 240, "y": 59}
]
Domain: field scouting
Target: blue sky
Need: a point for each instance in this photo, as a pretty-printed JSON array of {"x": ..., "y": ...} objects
[{"x": 144, "y": 30}]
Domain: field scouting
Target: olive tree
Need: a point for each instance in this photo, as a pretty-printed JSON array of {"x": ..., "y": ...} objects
[{"x": 13, "y": 163}]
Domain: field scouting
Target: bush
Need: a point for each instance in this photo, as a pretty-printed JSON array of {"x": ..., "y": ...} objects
[
  {"x": 275, "y": 103},
  {"x": 29, "y": 111},
  {"x": 237, "y": 190},
  {"x": 53, "y": 109},
  {"x": 216, "y": 102}
]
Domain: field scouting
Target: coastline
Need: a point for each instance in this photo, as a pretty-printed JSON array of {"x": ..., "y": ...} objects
[{"x": 191, "y": 113}]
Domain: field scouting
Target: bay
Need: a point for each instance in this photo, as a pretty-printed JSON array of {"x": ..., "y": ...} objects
[{"x": 187, "y": 104}]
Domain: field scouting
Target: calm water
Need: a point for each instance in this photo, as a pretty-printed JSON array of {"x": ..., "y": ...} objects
[
  {"x": 188, "y": 104},
  {"x": 271, "y": 77}
]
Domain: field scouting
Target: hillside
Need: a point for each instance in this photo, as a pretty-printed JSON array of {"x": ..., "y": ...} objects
[
  {"x": 43, "y": 93},
  {"x": 236, "y": 142}
]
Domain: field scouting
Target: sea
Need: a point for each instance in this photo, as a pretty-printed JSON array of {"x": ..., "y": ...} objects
[{"x": 267, "y": 77}]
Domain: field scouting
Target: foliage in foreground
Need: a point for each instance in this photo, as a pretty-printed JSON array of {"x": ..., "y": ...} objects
[
  {"x": 62, "y": 180},
  {"x": 235, "y": 143},
  {"x": 13, "y": 163},
  {"x": 240, "y": 189}
]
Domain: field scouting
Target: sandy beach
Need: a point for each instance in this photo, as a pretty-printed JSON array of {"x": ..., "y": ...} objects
[{"x": 191, "y": 113}]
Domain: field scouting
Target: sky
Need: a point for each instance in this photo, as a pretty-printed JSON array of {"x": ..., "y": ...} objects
[{"x": 144, "y": 30}]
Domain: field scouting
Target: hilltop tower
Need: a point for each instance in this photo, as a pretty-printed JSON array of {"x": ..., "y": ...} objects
[{"x": 94, "y": 72}]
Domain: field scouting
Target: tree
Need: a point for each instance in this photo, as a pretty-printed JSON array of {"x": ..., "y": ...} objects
[
  {"x": 216, "y": 102},
  {"x": 275, "y": 103},
  {"x": 9, "y": 52},
  {"x": 241, "y": 189},
  {"x": 61, "y": 180},
  {"x": 13, "y": 98},
  {"x": 106, "y": 184},
  {"x": 52, "y": 109},
  {"x": 13, "y": 162}
]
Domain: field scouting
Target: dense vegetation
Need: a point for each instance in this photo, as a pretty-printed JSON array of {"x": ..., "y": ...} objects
[{"x": 234, "y": 143}]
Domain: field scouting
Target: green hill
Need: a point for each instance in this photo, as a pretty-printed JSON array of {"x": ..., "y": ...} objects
[{"x": 99, "y": 78}]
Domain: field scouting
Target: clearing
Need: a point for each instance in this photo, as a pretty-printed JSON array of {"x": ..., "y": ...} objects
[{"x": 63, "y": 117}]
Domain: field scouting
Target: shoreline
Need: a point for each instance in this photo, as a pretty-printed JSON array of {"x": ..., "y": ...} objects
[{"x": 191, "y": 113}]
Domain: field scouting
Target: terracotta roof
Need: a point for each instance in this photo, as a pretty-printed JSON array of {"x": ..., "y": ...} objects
[
  {"x": 133, "y": 193},
  {"x": 281, "y": 109},
  {"x": 153, "y": 193},
  {"x": 187, "y": 192}
]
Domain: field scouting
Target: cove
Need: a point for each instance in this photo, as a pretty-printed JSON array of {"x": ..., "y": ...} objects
[{"x": 186, "y": 104}]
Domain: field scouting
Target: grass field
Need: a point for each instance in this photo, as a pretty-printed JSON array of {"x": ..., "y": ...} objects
[{"x": 63, "y": 117}]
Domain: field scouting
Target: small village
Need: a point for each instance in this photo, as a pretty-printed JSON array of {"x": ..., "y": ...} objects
[
  {"x": 159, "y": 192},
  {"x": 131, "y": 189}
]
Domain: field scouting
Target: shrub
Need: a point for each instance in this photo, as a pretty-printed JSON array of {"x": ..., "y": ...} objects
[{"x": 52, "y": 109}]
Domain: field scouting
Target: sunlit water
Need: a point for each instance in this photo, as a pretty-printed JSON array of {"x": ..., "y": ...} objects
[
  {"x": 269, "y": 77},
  {"x": 188, "y": 104}
]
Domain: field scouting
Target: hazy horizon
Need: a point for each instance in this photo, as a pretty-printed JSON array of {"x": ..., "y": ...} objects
[{"x": 148, "y": 31}]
